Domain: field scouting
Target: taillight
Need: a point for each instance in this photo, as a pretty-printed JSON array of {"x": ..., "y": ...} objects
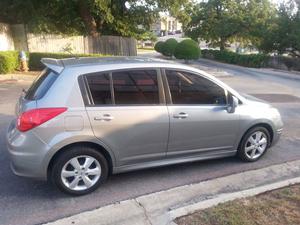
[{"x": 35, "y": 117}]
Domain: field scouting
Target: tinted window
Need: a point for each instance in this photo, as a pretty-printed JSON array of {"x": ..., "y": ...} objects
[
  {"x": 41, "y": 85},
  {"x": 99, "y": 85},
  {"x": 187, "y": 88},
  {"x": 135, "y": 87}
]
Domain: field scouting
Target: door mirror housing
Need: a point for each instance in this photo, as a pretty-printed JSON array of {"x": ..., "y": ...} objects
[{"x": 233, "y": 102}]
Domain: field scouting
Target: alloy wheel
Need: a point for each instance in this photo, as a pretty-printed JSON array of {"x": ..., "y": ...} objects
[
  {"x": 81, "y": 173},
  {"x": 256, "y": 145}
]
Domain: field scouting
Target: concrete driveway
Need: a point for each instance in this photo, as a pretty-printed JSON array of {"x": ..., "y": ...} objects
[{"x": 24, "y": 201}]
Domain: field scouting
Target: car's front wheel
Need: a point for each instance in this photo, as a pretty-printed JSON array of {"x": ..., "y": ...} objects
[
  {"x": 79, "y": 170},
  {"x": 254, "y": 144}
]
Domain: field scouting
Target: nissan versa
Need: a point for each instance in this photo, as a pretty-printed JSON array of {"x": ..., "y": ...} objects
[{"x": 85, "y": 118}]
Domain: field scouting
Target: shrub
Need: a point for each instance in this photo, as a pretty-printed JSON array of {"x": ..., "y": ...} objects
[
  {"x": 35, "y": 58},
  {"x": 169, "y": 46},
  {"x": 251, "y": 60},
  {"x": 159, "y": 46},
  {"x": 187, "y": 50},
  {"x": 9, "y": 61},
  {"x": 291, "y": 63}
]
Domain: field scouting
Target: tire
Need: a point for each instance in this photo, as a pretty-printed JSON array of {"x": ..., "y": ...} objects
[
  {"x": 250, "y": 150},
  {"x": 88, "y": 179}
]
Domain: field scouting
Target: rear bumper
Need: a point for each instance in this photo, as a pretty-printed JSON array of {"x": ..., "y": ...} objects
[{"x": 27, "y": 153}]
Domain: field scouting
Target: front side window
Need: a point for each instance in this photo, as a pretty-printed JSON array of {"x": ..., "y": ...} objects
[
  {"x": 188, "y": 88},
  {"x": 99, "y": 85},
  {"x": 135, "y": 87}
]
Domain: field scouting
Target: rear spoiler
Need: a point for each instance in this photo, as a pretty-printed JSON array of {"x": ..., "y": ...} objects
[{"x": 53, "y": 64}]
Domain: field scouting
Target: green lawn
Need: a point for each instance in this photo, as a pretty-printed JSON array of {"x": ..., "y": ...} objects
[{"x": 278, "y": 207}]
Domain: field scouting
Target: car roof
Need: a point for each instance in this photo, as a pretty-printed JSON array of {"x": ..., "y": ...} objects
[
  {"x": 123, "y": 62},
  {"x": 59, "y": 64}
]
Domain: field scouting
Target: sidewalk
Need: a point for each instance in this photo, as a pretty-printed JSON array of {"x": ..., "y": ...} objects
[{"x": 163, "y": 207}]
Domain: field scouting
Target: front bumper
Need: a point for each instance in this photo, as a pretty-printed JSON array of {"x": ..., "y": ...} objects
[
  {"x": 276, "y": 136},
  {"x": 27, "y": 153}
]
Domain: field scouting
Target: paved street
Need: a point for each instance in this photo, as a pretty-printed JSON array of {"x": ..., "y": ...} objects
[{"x": 24, "y": 201}]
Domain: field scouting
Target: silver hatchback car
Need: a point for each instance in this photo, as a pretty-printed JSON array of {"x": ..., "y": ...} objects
[{"x": 85, "y": 118}]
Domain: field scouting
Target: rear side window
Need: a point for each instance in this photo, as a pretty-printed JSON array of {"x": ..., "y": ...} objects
[
  {"x": 135, "y": 87},
  {"x": 99, "y": 85},
  {"x": 41, "y": 85}
]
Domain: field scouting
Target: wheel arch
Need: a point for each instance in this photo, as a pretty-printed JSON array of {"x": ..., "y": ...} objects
[
  {"x": 96, "y": 146},
  {"x": 259, "y": 124}
]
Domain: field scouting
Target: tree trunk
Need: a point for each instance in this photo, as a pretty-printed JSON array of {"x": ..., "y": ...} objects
[
  {"x": 222, "y": 44},
  {"x": 87, "y": 18}
]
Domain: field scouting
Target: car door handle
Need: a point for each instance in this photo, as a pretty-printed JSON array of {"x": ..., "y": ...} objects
[
  {"x": 181, "y": 115},
  {"x": 105, "y": 117}
]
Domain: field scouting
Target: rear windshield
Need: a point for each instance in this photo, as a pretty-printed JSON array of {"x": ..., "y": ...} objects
[{"x": 41, "y": 85}]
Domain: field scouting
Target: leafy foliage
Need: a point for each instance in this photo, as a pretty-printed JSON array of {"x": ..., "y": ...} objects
[
  {"x": 283, "y": 36},
  {"x": 169, "y": 46},
  {"x": 9, "y": 61},
  {"x": 92, "y": 17},
  {"x": 159, "y": 46},
  {"x": 147, "y": 36},
  {"x": 251, "y": 60},
  {"x": 187, "y": 50},
  {"x": 220, "y": 22}
]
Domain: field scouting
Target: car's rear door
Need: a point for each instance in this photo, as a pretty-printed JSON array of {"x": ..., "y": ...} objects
[{"x": 128, "y": 113}]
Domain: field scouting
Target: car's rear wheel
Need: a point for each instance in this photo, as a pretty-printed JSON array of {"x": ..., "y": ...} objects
[
  {"x": 79, "y": 170},
  {"x": 254, "y": 144}
]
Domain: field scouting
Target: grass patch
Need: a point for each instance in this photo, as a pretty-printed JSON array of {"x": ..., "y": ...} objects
[
  {"x": 146, "y": 48},
  {"x": 277, "y": 207}
]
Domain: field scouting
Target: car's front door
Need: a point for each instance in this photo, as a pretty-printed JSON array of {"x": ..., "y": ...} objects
[
  {"x": 199, "y": 121},
  {"x": 129, "y": 115}
]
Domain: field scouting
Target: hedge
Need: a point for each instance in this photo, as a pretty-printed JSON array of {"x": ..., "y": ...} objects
[
  {"x": 35, "y": 58},
  {"x": 169, "y": 46},
  {"x": 289, "y": 62},
  {"x": 187, "y": 50},
  {"x": 9, "y": 61},
  {"x": 251, "y": 60},
  {"x": 159, "y": 46}
]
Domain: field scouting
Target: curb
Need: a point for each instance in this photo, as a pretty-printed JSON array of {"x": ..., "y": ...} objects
[
  {"x": 161, "y": 208},
  {"x": 230, "y": 197}
]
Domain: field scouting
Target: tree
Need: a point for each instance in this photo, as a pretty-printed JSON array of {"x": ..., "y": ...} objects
[
  {"x": 220, "y": 22},
  {"x": 93, "y": 17},
  {"x": 284, "y": 34}
]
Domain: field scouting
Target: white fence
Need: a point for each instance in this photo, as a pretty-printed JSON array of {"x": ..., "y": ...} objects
[
  {"x": 55, "y": 43},
  {"x": 16, "y": 37},
  {"x": 6, "y": 39}
]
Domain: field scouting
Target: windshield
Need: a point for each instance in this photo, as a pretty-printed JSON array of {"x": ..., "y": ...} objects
[{"x": 41, "y": 84}]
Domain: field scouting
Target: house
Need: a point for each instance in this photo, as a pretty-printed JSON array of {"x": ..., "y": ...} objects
[{"x": 166, "y": 25}]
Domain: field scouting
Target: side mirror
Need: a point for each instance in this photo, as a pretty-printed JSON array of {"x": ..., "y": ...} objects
[{"x": 233, "y": 102}]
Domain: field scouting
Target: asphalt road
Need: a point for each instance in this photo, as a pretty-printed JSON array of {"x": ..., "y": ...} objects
[{"x": 24, "y": 201}]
